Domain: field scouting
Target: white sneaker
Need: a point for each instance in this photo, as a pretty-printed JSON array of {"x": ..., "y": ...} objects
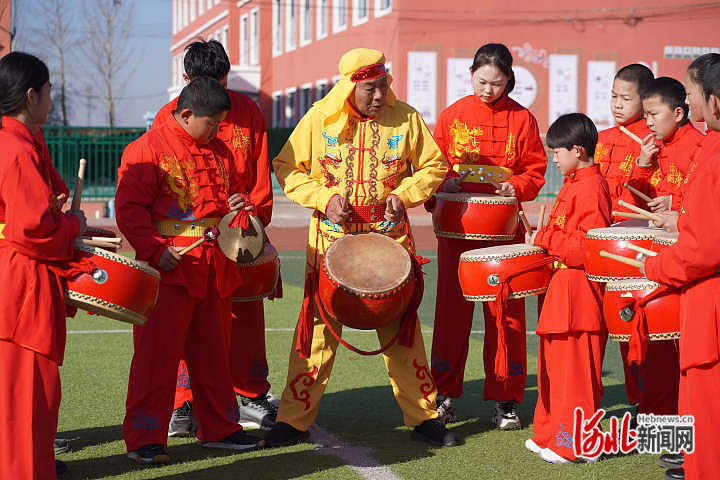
[
  {"x": 505, "y": 416},
  {"x": 532, "y": 446},
  {"x": 552, "y": 457},
  {"x": 182, "y": 422},
  {"x": 274, "y": 401},
  {"x": 259, "y": 411}
]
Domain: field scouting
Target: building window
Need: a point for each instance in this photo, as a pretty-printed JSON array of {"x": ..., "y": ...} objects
[
  {"x": 321, "y": 89},
  {"x": 360, "y": 12},
  {"x": 335, "y": 79},
  {"x": 201, "y": 7},
  {"x": 254, "y": 36},
  {"x": 321, "y": 22},
  {"x": 244, "y": 40},
  {"x": 192, "y": 10},
  {"x": 305, "y": 22},
  {"x": 184, "y": 13},
  {"x": 209, "y": 4},
  {"x": 290, "y": 25},
  {"x": 277, "y": 28},
  {"x": 290, "y": 101},
  {"x": 339, "y": 15},
  {"x": 174, "y": 16},
  {"x": 224, "y": 38},
  {"x": 382, "y": 7},
  {"x": 306, "y": 92},
  {"x": 277, "y": 116}
]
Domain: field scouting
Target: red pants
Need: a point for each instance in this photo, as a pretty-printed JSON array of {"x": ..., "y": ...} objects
[
  {"x": 451, "y": 335},
  {"x": 29, "y": 403},
  {"x": 248, "y": 361},
  {"x": 569, "y": 376},
  {"x": 700, "y": 397},
  {"x": 199, "y": 328},
  {"x": 654, "y": 384}
]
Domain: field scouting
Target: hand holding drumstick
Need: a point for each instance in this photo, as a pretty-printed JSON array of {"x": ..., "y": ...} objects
[
  {"x": 170, "y": 258},
  {"x": 75, "y": 206}
]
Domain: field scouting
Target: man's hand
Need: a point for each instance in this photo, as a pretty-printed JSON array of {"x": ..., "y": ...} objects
[
  {"x": 394, "y": 209},
  {"x": 660, "y": 204},
  {"x": 337, "y": 211},
  {"x": 80, "y": 215},
  {"x": 648, "y": 150},
  {"x": 452, "y": 185},
  {"x": 170, "y": 259},
  {"x": 506, "y": 189},
  {"x": 668, "y": 221},
  {"x": 237, "y": 201}
]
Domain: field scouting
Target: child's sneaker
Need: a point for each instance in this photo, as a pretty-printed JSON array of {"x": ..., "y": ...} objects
[
  {"x": 505, "y": 416},
  {"x": 532, "y": 446},
  {"x": 445, "y": 409},
  {"x": 552, "y": 457},
  {"x": 153, "y": 453}
]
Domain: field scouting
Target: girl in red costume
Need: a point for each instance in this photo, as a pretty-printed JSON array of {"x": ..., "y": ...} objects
[{"x": 487, "y": 128}]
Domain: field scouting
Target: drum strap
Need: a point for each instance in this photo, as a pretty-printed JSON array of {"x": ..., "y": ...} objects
[
  {"x": 637, "y": 346},
  {"x": 2, "y": 227},
  {"x": 180, "y": 228}
]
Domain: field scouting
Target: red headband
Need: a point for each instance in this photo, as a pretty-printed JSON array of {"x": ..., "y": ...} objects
[{"x": 371, "y": 72}]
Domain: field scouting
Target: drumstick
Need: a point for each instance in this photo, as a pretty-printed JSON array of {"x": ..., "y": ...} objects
[
  {"x": 637, "y": 192},
  {"x": 642, "y": 250},
  {"x": 61, "y": 197},
  {"x": 631, "y": 135},
  {"x": 105, "y": 239},
  {"x": 210, "y": 234},
  {"x": 524, "y": 221},
  {"x": 621, "y": 259},
  {"x": 617, "y": 213},
  {"x": 97, "y": 243},
  {"x": 464, "y": 175},
  {"x": 77, "y": 196},
  {"x": 541, "y": 217},
  {"x": 648, "y": 215},
  {"x": 494, "y": 183}
]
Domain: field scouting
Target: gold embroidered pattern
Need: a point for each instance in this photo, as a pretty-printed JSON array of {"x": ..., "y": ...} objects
[
  {"x": 240, "y": 141},
  {"x": 601, "y": 152},
  {"x": 691, "y": 170},
  {"x": 655, "y": 178},
  {"x": 675, "y": 176},
  {"x": 177, "y": 182},
  {"x": 510, "y": 148},
  {"x": 627, "y": 164},
  {"x": 464, "y": 139}
]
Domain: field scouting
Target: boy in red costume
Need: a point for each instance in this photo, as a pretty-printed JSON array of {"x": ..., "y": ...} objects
[
  {"x": 570, "y": 328},
  {"x": 174, "y": 182}
]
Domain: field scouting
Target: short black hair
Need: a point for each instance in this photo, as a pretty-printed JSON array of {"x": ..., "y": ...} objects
[
  {"x": 19, "y": 72},
  {"x": 205, "y": 97},
  {"x": 671, "y": 93},
  {"x": 206, "y": 58},
  {"x": 573, "y": 129},
  {"x": 636, "y": 73},
  {"x": 711, "y": 82},
  {"x": 696, "y": 70},
  {"x": 498, "y": 55}
]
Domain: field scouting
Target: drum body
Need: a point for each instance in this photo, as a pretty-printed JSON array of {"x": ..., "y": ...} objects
[
  {"x": 663, "y": 313},
  {"x": 366, "y": 280},
  {"x": 475, "y": 216},
  {"x": 614, "y": 240},
  {"x": 479, "y": 271},
  {"x": 258, "y": 277},
  {"x": 663, "y": 240},
  {"x": 120, "y": 288}
]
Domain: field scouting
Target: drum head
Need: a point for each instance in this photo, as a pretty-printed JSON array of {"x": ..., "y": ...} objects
[
  {"x": 241, "y": 246},
  {"x": 622, "y": 233},
  {"x": 368, "y": 262}
]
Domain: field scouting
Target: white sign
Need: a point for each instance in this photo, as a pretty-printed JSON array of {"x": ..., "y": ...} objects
[
  {"x": 563, "y": 89},
  {"x": 459, "y": 80},
  {"x": 525, "y": 90},
  {"x": 422, "y": 84},
  {"x": 600, "y": 76}
]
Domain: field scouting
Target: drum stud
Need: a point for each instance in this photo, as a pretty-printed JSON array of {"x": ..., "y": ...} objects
[
  {"x": 626, "y": 314},
  {"x": 373, "y": 217},
  {"x": 177, "y": 226},
  {"x": 640, "y": 257},
  {"x": 372, "y": 210},
  {"x": 99, "y": 276},
  {"x": 489, "y": 174},
  {"x": 481, "y": 169},
  {"x": 493, "y": 279}
]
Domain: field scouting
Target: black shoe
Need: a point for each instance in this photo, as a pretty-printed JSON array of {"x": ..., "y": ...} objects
[
  {"x": 61, "y": 446},
  {"x": 60, "y": 468},
  {"x": 153, "y": 453},
  {"x": 671, "y": 460},
  {"x": 433, "y": 431},
  {"x": 675, "y": 474},
  {"x": 284, "y": 434},
  {"x": 237, "y": 441},
  {"x": 182, "y": 422}
]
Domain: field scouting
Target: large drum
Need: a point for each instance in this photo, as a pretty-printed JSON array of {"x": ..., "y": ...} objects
[
  {"x": 480, "y": 269},
  {"x": 259, "y": 277},
  {"x": 663, "y": 240},
  {"x": 614, "y": 240},
  {"x": 662, "y": 313},
  {"x": 475, "y": 216},
  {"x": 120, "y": 288},
  {"x": 366, "y": 280}
]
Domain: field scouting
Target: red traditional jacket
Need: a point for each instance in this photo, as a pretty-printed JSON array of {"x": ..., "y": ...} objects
[
  {"x": 572, "y": 302},
  {"x": 674, "y": 158},
  {"x": 504, "y": 134},
  {"x": 36, "y": 235},
  {"x": 165, "y": 175},
  {"x": 616, "y": 153},
  {"x": 244, "y": 133},
  {"x": 710, "y": 144},
  {"x": 692, "y": 264}
]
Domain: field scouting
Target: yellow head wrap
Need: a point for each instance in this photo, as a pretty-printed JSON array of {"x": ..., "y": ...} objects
[{"x": 334, "y": 104}]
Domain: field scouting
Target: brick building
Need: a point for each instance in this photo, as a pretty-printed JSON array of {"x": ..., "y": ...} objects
[
  {"x": 5, "y": 25},
  {"x": 284, "y": 53}
]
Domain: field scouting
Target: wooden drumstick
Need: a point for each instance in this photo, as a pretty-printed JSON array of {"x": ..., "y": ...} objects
[
  {"x": 98, "y": 243},
  {"x": 631, "y": 135},
  {"x": 524, "y": 221},
  {"x": 77, "y": 196},
  {"x": 617, "y": 213},
  {"x": 541, "y": 217},
  {"x": 494, "y": 183},
  {"x": 105, "y": 239},
  {"x": 61, "y": 197},
  {"x": 637, "y": 192},
  {"x": 621, "y": 259},
  {"x": 210, "y": 234},
  {"x": 465, "y": 175},
  {"x": 642, "y": 250},
  {"x": 648, "y": 215}
]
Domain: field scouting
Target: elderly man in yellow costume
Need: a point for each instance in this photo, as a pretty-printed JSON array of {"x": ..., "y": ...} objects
[{"x": 359, "y": 158}]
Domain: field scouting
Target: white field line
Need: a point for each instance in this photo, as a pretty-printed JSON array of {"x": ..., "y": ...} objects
[{"x": 86, "y": 332}]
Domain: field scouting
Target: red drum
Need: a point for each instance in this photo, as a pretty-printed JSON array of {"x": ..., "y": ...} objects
[
  {"x": 120, "y": 288},
  {"x": 663, "y": 313},
  {"x": 479, "y": 271},
  {"x": 614, "y": 240},
  {"x": 663, "y": 240},
  {"x": 259, "y": 277},
  {"x": 366, "y": 280},
  {"x": 475, "y": 216}
]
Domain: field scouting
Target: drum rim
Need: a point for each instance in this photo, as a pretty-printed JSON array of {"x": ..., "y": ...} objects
[
  {"x": 96, "y": 229},
  {"x": 655, "y": 337},
  {"x": 607, "y": 279},
  {"x": 519, "y": 294},
  {"x": 472, "y": 236},
  {"x": 474, "y": 257},
  {"x": 627, "y": 236},
  {"x": 633, "y": 284},
  {"x": 469, "y": 197},
  {"x": 103, "y": 307},
  {"x": 130, "y": 262}
]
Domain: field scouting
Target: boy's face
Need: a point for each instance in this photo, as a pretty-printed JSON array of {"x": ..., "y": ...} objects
[
  {"x": 566, "y": 160},
  {"x": 202, "y": 129},
  {"x": 625, "y": 102},
  {"x": 662, "y": 120}
]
